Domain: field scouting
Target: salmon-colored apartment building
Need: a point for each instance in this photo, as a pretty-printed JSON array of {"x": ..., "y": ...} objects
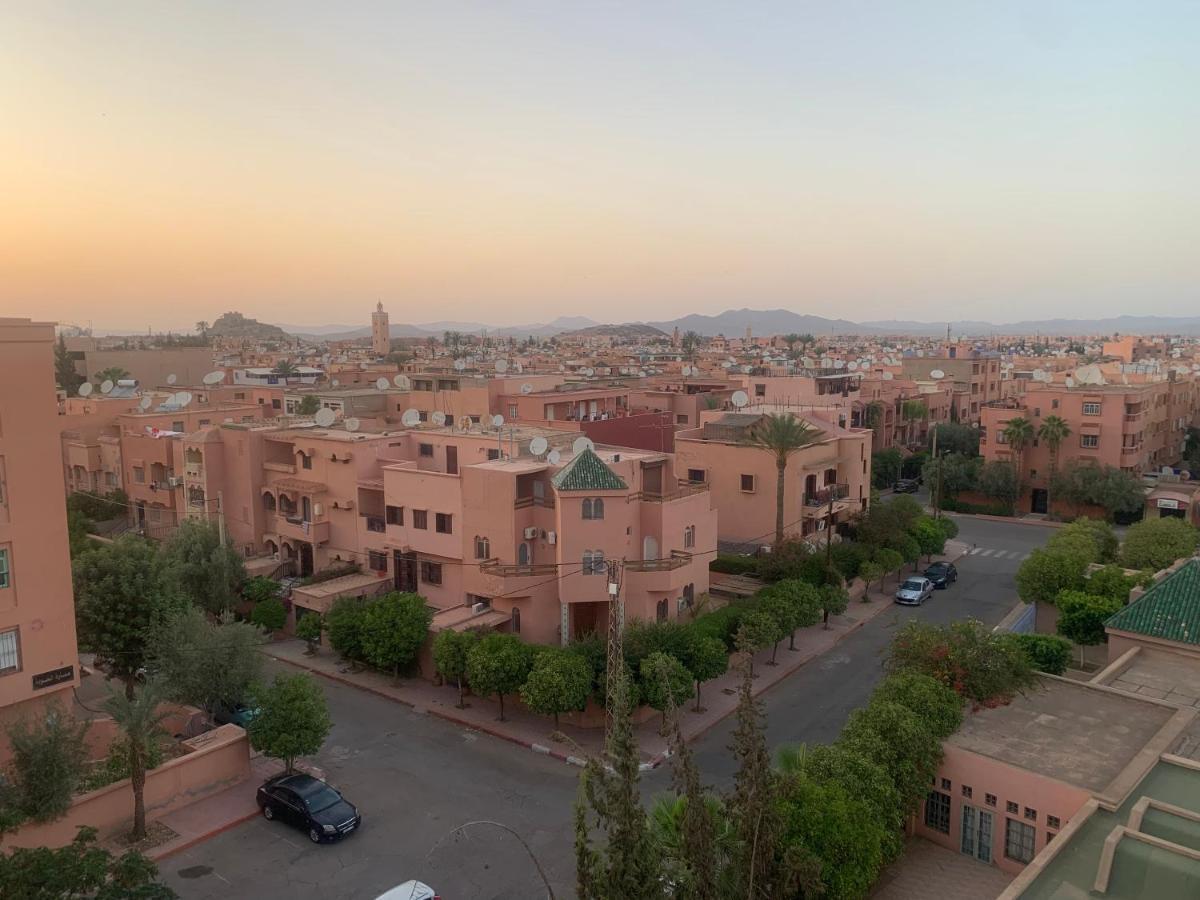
[{"x": 38, "y": 653}]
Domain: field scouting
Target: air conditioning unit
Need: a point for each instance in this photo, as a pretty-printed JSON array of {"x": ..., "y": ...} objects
[
  {"x": 175, "y": 481},
  {"x": 529, "y": 533},
  {"x": 480, "y": 608},
  {"x": 551, "y": 537}
]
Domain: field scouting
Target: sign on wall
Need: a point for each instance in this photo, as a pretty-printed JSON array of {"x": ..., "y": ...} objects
[{"x": 53, "y": 677}]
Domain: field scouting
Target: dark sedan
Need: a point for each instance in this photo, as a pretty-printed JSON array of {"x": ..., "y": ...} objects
[
  {"x": 906, "y": 486},
  {"x": 310, "y": 805},
  {"x": 942, "y": 574}
]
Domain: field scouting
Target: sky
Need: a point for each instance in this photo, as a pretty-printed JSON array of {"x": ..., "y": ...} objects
[{"x": 510, "y": 162}]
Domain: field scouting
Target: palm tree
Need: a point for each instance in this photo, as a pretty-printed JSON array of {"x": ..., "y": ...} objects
[
  {"x": 1019, "y": 432},
  {"x": 1054, "y": 430},
  {"x": 285, "y": 367},
  {"x": 781, "y": 436},
  {"x": 112, "y": 373},
  {"x": 690, "y": 343},
  {"x": 202, "y": 328},
  {"x": 141, "y": 720}
]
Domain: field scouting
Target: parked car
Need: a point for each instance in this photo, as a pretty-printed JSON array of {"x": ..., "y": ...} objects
[
  {"x": 309, "y": 804},
  {"x": 238, "y": 714},
  {"x": 915, "y": 591},
  {"x": 410, "y": 890},
  {"x": 906, "y": 486},
  {"x": 942, "y": 574}
]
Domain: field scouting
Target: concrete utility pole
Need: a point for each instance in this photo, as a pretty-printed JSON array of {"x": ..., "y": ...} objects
[
  {"x": 832, "y": 488},
  {"x": 616, "y": 654},
  {"x": 936, "y": 487}
]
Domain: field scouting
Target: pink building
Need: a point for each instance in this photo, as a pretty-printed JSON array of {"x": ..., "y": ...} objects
[{"x": 38, "y": 654}]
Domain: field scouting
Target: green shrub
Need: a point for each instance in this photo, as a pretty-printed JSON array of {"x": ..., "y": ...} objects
[
  {"x": 1046, "y": 652},
  {"x": 721, "y": 624},
  {"x": 269, "y": 614},
  {"x": 965, "y": 656},
  {"x": 938, "y": 706},
  {"x": 344, "y": 623},
  {"x": 1156, "y": 543},
  {"x": 848, "y": 557},
  {"x": 734, "y": 564},
  {"x": 949, "y": 504}
]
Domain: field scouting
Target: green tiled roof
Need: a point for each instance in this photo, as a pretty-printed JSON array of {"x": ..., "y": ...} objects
[
  {"x": 1169, "y": 610},
  {"x": 587, "y": 472}
]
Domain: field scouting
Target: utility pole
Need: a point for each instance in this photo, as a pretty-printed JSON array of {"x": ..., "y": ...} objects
[
  {"x": 220, "y": 519},
  {"x": 936, "y": 491},
  {"x": 616, "y": 653},
  {"x": 832, "y": 488}
]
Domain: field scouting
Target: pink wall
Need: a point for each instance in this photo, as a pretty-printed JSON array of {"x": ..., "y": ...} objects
[{"x": 649, "y": 431}]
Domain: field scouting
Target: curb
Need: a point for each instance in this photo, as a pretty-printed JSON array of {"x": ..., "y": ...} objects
[
  {"x": 1011, "y": 520},
  {"x": 200, "y": 838}
]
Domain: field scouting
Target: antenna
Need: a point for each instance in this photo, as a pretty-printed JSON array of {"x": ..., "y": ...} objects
[
  {"x": 538, "y": 446},
  {"x": 553, "y": 457},
  {"x": 324, "y": 417},
  {"x": 214, "y": 377},
  {"x": 352, "y": 424},
  {"x": 85, "y": 389},
  {"x": 382, "y": 383},
  {"x": 411, "y": 418},
  {"x": 739, "y": 399}
]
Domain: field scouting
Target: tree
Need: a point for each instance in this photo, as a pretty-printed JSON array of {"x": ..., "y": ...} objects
[
  {"x": 889, "y": 560},
  {"x": 1081, "y": 618},
  {"x": 690, "y": 344},
  {"x": 344, "y": 622},
  {"x": 1047, "y": 653},
  {"x": 953, "y": 472},
  {"x": 559, "y": 682},
  {"x": 49, "y": 753},
  {"x": 666, "y": 683},
  {"x": 795, "y": 604},
  {"x": 112, "y": 373},
  {"x": 706, "y": 658},
  {"x": 1115, "y": 491},
  {"x": 309, "y": 405},
  {"x": 80, "y": 870},
  {"x": 1047, "y": 573},
  {"x": 868, "y": 572},
  {"x": 1156, "y": 543},
  {"x": 938, "y": 706},
  {"x": 1110, "y": 581},
  {"x": 896, "y": 738},
  {"x": 965, "y": 656},
  {"x": 202, "y": 328},
  {"x": 885, "y": 467},
  {"x": 781, "y": 436},
  {"x": 203, "y": 663},
  {"x": 270, "y": 614},
  {"x": 930, "y": 536},
  {"x": 1018, "y": 433},
  {"x": 64, "y": 368},
  {"x": 284, "y": 367},
  {"x": 79, "y": 528},
  {"x": 1101, "y": 534},
  {"x": 758, "y": 629},
  {"x": 1052, "y": 432},
  {"x": 260, "y": 588},
  {"x": 393, "y": 628},
  {"x": 293, "y": 719},
  {"x": 834, "y": 601},
  {"x": 498, "y": 664},
  {"x": 308, "y": 629},
  {"x": 956, "y": 438},
  {"x": 140, "y": 718},
  {"x": 119, "y": 593},
  {"x": 201, "y": 568},
  {"x": 1001, "y": 482},
  {"x": 450, "y": 652}
]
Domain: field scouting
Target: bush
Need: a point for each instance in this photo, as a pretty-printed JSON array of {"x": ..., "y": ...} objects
[
  {"x": 1045, "y": 652},
  {"x": 1101, "y": 534},
  {"x": 949, "y": 504},
  {"x": 1156, "y": 543},
  {"x": 938, "y": 706},
  {"x": 1081, "y": 617},
  {"x": 885, "y": 467},
  {"x": 848, "y": 557},
  {"x": 734, "y": 564},
  {"x": 593, "y": 650},
  {"x": 308, "y": 628},
  {"x": 269, "y": 614},
  {"x": 393, "y": 628},
  {"x": 559, "y": 682},
  {"x": 666, "y": 683},
  {"x": 1110, "y": 581},
  {"x": 964, "y": 656},
  {"x": 788, "y": 559},
  {"x": 949, "y": 527},
  {"x": 49, "y": 752},
  {"x": 1047, "y": 573},
  {"x": 499, "y": 664},
  {"x": 344, "y": 623},
  {"x": 260, "y": 588},
  {"x": 721, "y": 624},
  {"x": 901, "y": 742},
  {"x": 642, "y": 639}
]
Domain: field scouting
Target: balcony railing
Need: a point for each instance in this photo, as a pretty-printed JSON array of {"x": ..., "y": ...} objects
[
  {"x": 376, "y": 524},
  {"x": 289, "y": 468},
  {"x": 831, "y": 492},
  {"x": 526, "y": 502},
  {"x": 495, "y": 567},
  {"x": 676, "y": 560},
  {"x": 681, "y": 490}
]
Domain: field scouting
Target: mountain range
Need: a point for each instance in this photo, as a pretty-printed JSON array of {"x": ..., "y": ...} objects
[{"x": 430, "y": 329}]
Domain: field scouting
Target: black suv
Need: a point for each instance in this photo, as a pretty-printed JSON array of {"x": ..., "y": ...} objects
[
  {"x": 942, "y": 574},
  {"x": 906, "y": 485},
  {"x": 309, "y": 804}
]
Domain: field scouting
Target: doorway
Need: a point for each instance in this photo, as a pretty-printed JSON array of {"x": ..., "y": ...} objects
[
  {"x": 406, "y": 571},
  {"x": 306, "y": 560},
  {"x": 1039, "y": 501},
  {"x": 451, "y": 460},
  {"x": 977, "y": 833}
]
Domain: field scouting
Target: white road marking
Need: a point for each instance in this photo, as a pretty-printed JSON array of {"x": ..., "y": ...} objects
[
  {"x": 1025, "y": 557},
  {"x": 974, "y": 550},
  {"x": 987, "y": 552}
]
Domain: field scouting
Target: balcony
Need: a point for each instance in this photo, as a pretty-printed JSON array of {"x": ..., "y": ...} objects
[
  {"x": 822, "y": 497},
  {"x": 546, "y": 502},
  {"x": 295, "y": 528},
  {"x": 669, "y": 574},
  {"x": 681, "y": 490},
  {"x": 288, "y": 468},
  {"x": 500, "y": 570},
  {"x": 678, "y": 559}
]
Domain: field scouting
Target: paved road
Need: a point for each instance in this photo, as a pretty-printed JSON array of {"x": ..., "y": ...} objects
[{"x": 416, "y": 778}]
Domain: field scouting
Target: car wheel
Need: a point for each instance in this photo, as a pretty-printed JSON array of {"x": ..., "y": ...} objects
[
  {"x": 268, "y": 813},
  {"x": 314, "y": 835}
]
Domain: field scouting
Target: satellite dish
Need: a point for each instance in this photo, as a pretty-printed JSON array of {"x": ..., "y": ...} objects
[
  {"x": 144, "y": 403},
  {"x": 888, "y": 376},
  {"x": 335, "y": 382},
  {"x": 382, "y": 383},
  {"x": 214, "y": 377},
  {"x": 839, "y": 364},
  {"x": 583, "y": 443},
  {"x": 438, "y": 417},
  {"x": 727, "y": 364},
  {"x": 324, "y": 417},
  {"x": 806, "y": 361},
  {"x": 352, "y": 424},
  {"x": 171, "y": 379},
  {"x": 517, "y": 367},
  {"x": 687, "y": 370},
  {"x": 85, "y": 389},
  {"x": 402, "y": 382},
  {"x": 538, "y": 446},
  {"x": 920, "y": 353},
  {"x": 502, "y": 366},
  {"x": 527, "y": 388},
  {"x": 852, "y": 365},
  {"x": 363, "y": 366},
  {"x": 1039, "y": 375},
  {"x": 739, "y": 399},
  {"x": 937, "y": 374},
  {"x": 183, "y": 398},
  {"x": 411, "y": 418},
  {"x": 497, "y": 421},
  {"x": 826, "y": 362},
  {"x": 642, "y": 373},
  {"x": 106, "y": 386},
  {"x": 553, "y": 457},
  {"x": 460, "y": 364}
]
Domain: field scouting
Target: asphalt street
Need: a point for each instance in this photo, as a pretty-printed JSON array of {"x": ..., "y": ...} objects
[{"x": 416, "y": 778}]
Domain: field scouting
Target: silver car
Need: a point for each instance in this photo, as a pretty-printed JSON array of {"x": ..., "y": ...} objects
[{"x": 915, "y": 591}]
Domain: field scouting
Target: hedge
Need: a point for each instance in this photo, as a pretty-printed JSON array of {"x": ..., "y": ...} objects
[
  {"x": 734, "y": 564},
  {"x": 980, "y": 509},
  {"x": 1046, "y": 652}
]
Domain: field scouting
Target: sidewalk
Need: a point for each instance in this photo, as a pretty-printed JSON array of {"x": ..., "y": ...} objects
[{"x": 527, "y": 729}]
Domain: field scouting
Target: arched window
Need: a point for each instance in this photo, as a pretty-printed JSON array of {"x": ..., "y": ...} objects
[
  {"x": 593, "y": 562},
  {"x": 269, "y": 502},
  {"x": 661, "y": 610},
  {"x": 598, "y": 508},
  {"x": 483, "y": 548},
  {"x": 515, "y": 622},
  {"x": 523, "y": 554},
  {"x": 587, "y": 507}
]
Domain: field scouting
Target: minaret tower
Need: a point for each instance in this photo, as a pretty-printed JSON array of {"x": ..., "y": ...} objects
[{"x": 381, "y": 341}]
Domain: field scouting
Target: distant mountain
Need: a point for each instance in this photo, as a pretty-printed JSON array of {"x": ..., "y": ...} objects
[
  {"x": 733, "y": 323},
  {"x": 627, "y": 331},
  {"x": 427, "y": 329},
  {"x": 235, "y": 325}
]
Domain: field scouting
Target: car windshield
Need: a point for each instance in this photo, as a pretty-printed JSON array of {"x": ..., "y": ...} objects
[
  {"x": 322, "y": 798},
  {"x": 938, "y": 567},
  {"x": 912, "y": 585}
]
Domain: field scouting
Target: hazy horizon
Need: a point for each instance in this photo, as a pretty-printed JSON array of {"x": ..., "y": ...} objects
[{"x": 509, "y": 164}]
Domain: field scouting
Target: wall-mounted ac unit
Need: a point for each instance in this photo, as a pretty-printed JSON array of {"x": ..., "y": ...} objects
[
  {"x": 530, "y": 533},
  {"x": 480, "y": 608},
  {"x": 552, "y": 537}
]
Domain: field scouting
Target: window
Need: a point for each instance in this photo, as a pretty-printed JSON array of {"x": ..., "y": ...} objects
[
  {"x": 966, "y": 791},
  {"x": 937, "y": 811},
  {"x": 421, "y": 518},
  {"x": 274, "y": 404},
  {"x": 1031, "y": 814},
  {"x": 394, "y": 515},
  {"x": 1091, "y": 441},
  {"x": 1012, "y": 807},
  {"x": 1018, "y": 840},
  {"x": 989, "y": 799},
  {"x": 206, "y": 422},
  {"x": 139, "y": 475},
  {"x": 1053, "y": 822},
  {"x": 593, "y": 562},
  {"x": 1054, "y": 404},
  {"x": 748, "y": 484},
  {"x": 493, "y": 453},
  {"x": 697, "y": 476},
  {"x": 688, "y": 600},
  {"x": 377, "y": 560},
  {"x": 681, "y": 419},
  {"x": 306, "y": 460},
  {"x": 426, "y": 449},
  {"x": 593, "y": 508},
  {"x": 514, "y": 623},
  {"x": 1091, "y": 409},
  {"x": 660, "y": 610},
  {"x": 5, "y": 576},
  {"x": 760, "y": 390},
  {"x": 431, "y": 572},
  {"x": 689, "y": 537},
  {"x": 444, "y": 523},
  {"x": 177, "y": 426},
  {"x": 483, "y": 548}
]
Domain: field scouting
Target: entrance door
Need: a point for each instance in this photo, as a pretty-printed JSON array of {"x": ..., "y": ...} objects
[
  {"x": 406, "y": 571},
  {"x": 306, "y": 509},
  {"x": 977, "y": 833},
  {"x": 306, "y": 560},
  {"x": 451, "y": 460},
  {"x": 1038, "y": 501}
]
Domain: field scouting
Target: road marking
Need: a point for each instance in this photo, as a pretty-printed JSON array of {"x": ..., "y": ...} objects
[
  {"x": 974, "y": 550},
  {"x": 987, "y": 552},
  {"x": 1025, "y": 557}
]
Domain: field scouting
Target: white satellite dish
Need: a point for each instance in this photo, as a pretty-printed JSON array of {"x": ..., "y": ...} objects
[
  {"x": 411, "y": 418},
  {"x": 335, "y": 382},
  {"x": 852, "y": 365},
  {"x": 438, "y": 417},
  {"x": 85, "y": 389},
  {"x": 806, "y": 361},
  {"x": 352, "y": 424},
  {"x": 460, "y": 364},
  {"x": 583, "y": 443},
  {"x": 497, "y": 421},
  {"x": 839, "y": 364},
  {"x": 920, "y": 353},
  {"x": 553, "y": 457},
  {"x": 1069, "y": 381},
  {"x": 1039, "y": 375},
  {"x": 538, "y": 446},
  {"x": 171, "y": 379},
  {"x": 324, "y": 417},
  {"x": 502, "y": 366},
  {"x": 527, "y": 388},
  {"x": 144, "y": 403},
  {"x": 826, "y": 362},
  {"x": 106, "y": 386},
  {"x": 739, "y": 399},
  {"x": 888, "y": 376},
  {"x": 937, "y": 374},
  {"x": 214, "y": 377},
  {"x": 382, "y": 383},
  {"x": 363, "y": 366},
  {"x": 687, "y": 370},
  {"x": 183, "y": 398},
  {"x": 727, "y": 364},
  {"x": 642, "y": 373}
]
